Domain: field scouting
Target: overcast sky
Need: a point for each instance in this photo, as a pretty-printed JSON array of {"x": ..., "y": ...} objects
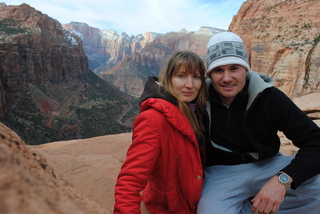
[{"x": 140, "y": 16}]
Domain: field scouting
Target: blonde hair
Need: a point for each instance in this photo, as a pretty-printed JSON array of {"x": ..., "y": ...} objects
[{"x": 193, "y": 63}]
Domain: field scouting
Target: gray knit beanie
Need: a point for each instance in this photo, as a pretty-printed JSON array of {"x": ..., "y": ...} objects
[{"x": 224, "y": 49}]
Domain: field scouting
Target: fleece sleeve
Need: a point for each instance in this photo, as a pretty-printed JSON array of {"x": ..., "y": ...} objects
[
  {"x": 303, "y": 132},
  {"x": 140, "y": 161}
]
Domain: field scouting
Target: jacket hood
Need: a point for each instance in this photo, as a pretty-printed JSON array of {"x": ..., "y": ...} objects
[
  {"x": 257, "y": 83},
  {"x": 153, "y": 89}
]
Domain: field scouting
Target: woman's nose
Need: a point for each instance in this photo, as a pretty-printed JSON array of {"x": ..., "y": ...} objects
[{"x": 189, "y": 82}]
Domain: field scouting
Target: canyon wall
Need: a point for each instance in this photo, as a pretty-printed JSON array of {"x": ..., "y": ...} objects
[
  {"x": 105, "y": 48},
  {"x": 47, "y": 91},
  {"x": 282, "y": 38},
  {"x": 35, "y": 48},
  {"x": 130, "y": 74}
]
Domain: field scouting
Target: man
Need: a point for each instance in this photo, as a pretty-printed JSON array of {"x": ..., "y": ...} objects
[{"x": 245, "y": 172}]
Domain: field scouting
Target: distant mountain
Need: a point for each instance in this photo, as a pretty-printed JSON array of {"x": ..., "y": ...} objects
[
  {"x": 47, "y": 91},
  {"x": 130, "y": 74},
  {"x": 105, "y": 48},
  {"x": 282, "y": 39},
  {"x": 125, "y": 62}
]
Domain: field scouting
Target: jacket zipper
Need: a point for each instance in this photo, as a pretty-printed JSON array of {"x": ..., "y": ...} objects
[
  {"x": 244, "y": 124},
  {"x": 229, "y": 113}
]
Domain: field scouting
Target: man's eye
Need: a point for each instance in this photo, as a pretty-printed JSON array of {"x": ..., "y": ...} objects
[{"x": 217, "y": 71}]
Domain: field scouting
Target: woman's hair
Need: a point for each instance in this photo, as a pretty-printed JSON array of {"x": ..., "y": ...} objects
[{"x": 193, "y": 63}]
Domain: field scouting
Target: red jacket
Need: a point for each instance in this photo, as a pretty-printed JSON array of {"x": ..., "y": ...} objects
[{"x": 163, "y": 161}]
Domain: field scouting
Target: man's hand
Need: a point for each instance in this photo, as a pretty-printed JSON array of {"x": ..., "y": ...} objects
[{"x": 270, "y": 197}]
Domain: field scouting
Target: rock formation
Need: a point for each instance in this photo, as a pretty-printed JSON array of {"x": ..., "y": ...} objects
[
  {"x": 125, "y": 62},
  {"x": 3, "y": 107},
  {"x": 310, "y": 104},
  {"x": 282, "y": 38},
  {"x": 35, "y": 48},
  {"x": 92, "y": 165},
  {"x": 130, "y": 74},
  {"x": 105, "y": 47},
  {"x": 29, "y": 184},
  {"x": 47, "y": 92}
]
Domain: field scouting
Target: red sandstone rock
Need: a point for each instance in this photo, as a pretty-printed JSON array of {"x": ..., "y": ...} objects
[
  {"x": 310, "y": 104},
  {"x": 38, "y": 51},
  {"x": 282, "y": 38},
  {"x": 92, "y": 165},
  {"x": 29, "y": 185}
]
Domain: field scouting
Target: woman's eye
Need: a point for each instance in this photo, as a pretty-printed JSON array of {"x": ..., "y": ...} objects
[{"x": 197, "y": 77}]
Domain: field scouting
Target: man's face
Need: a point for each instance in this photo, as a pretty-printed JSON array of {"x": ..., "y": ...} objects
[{"x": 228, "y": 81}]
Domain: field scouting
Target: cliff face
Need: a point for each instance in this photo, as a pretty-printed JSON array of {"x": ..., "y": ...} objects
[
  {"x": 3, "y": 107},
  {"x": 125, "y": 62},
  {"x": 35, "y": 48},
  {"x": 30, "y": 185},
  {"x": 282, "y": 38},
  {"x": 47, "y": 91},
  {"x": 130, "y": 74},
  {"x": 105, "y": 48}
]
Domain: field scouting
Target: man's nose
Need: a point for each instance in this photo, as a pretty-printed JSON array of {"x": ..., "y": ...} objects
[{"x": 227, "y": 77}]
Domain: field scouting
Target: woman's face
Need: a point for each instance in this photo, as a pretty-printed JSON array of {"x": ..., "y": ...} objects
[{"x": 186, "y": 85}]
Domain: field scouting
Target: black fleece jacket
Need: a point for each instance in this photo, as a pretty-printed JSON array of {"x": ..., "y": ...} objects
[{"x": 266, "y": 113}]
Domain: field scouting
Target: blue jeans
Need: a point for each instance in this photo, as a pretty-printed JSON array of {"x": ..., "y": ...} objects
[{"x": 227, "y": 188}]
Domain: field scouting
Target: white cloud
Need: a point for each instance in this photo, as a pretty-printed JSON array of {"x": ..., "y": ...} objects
[{"x": 140, "y": 16}]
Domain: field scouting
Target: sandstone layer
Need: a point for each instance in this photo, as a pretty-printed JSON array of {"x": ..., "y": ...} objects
[
  {"x": 47, "y": 92},
  {"x": 310, "y": 104},
  {"x": 35, "y": 48},
  {"x": 92, "y": 165},
  {"x": 105, "y": 47},
  {"x": 30, "y": 185},
  {"x": 282, "y": 38},
  {"x": 130, "y": 74}
]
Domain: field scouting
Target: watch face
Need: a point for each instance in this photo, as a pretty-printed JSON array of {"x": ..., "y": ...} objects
[{"x": 283, "y": 178}]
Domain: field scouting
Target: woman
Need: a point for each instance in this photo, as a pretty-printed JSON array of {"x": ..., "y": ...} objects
[{"x": 163, "y": 167}]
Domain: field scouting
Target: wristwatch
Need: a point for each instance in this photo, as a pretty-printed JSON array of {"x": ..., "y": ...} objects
[{"x": 284, "y": 179}]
